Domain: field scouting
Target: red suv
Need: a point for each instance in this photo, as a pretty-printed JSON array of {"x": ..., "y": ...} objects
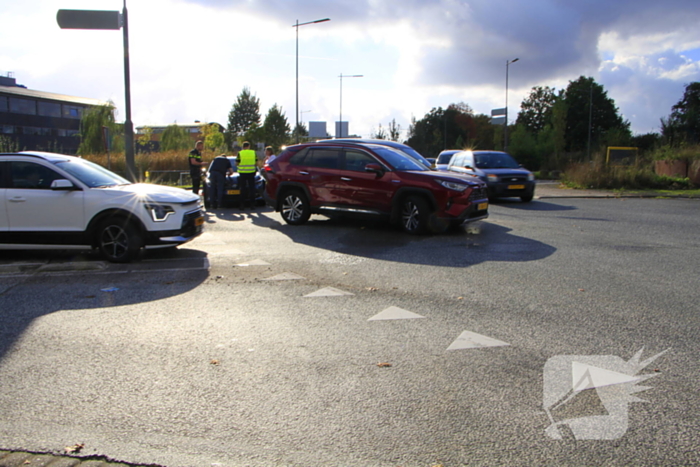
[{"x": 370, "y": 179}]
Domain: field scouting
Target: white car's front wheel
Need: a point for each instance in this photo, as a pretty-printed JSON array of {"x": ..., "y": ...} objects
[{"x": 118, "y": 240}]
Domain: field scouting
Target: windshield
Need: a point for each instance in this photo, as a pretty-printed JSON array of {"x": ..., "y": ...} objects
[
  {"x": 398, "y": 159},
  {"x": 495, "y": 160},
  {"x": 92, "y": 174},
  {"x": 444, "y": 157}
]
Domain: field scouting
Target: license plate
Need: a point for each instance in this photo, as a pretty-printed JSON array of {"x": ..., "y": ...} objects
[
  {"x": 516, "y": 187},
  {"x": 482, "y": 206},
  {"x": 233, "y": 192},
  {"x": 199, "y": 221}
]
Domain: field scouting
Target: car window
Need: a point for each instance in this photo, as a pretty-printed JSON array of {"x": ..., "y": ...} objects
[
  {"x": 457, "y": 160},
  {"x": 326, "y": 158},
  {"x": 357, "y": 160},
  {"x": 399, "y": 160},
  {"x": 32, "y": 176},
  {"x": 444, "y": 158},
  {"x": 4, "y": 175},
  {"x": 495, "y": 160},
  {"x": 92, "y": 174}
]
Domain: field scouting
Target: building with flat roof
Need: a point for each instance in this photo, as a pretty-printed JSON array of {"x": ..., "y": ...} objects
[{"x": 41, "y": 121}]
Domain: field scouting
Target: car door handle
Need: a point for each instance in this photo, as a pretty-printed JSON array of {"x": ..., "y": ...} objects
[
  {"x": 346, "y": 179},
  {"x": 303, "y": 173},
  {"x": 17, "y": 199}
]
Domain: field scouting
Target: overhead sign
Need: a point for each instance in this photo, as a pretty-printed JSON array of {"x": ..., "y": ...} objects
[
  {"x": 498, "y": 120},
  {"x": 498, "y": 112},
  {"x": 88, "y": 19}
]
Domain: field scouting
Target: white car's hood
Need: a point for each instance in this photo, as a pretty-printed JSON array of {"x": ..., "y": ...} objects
[{"x": 157, "y": 193}]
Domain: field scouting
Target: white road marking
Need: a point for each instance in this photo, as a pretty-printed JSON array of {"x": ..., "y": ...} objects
[
  {"x": 472, "y": 340},
  {"x": 285, "y": 276},
  {"x": 328, "y": 292},
  {"x": 394, "y": 312}
]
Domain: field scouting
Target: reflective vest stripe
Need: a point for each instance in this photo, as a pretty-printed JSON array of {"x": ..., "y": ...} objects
[{"x": 247, "y": 164}]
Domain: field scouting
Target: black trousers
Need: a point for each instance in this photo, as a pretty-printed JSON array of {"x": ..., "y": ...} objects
[
  {"x": 196, "y": 181},
  {"x": 247, "y": 185}
]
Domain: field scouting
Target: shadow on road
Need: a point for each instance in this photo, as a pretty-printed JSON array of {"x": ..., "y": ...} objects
[
  {"x": 469, "y": 245},
  {"x": 537, "y": 205},
  {"x": 83, "y": 287}
]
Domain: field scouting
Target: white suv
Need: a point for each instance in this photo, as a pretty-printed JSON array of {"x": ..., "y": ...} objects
[{"x": 52, "y": 201}]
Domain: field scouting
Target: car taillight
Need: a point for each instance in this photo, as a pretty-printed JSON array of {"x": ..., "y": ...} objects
[{"x": 267, "y": 168}]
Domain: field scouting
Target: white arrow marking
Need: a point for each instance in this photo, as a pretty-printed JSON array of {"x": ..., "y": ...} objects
[{"x": 472, "y": 340}]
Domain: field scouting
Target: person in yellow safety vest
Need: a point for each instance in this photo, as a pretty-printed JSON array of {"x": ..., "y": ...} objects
[{"x": 246, "y": 163}]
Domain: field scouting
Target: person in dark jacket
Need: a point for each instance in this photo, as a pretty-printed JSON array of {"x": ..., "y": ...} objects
[{"x": 220, "y": 168}]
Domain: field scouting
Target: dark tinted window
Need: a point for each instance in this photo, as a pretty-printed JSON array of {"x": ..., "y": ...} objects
[
  {"x": 326, "y": 158},
  {"x": 357, "y": 160},
  {"x": 32, "y": 176},
  {"x": 495, "y": 160},
  {"x": 22, "y": 106},
  {"x": 4, "y": 174},
  {"x": 398, "y": 160},
  {"x": 49, "y": 109},
  {"x": 444, "y": 158},
  {"x": 3, "y": 104}
]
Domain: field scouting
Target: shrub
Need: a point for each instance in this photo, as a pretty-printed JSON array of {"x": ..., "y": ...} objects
[{"x": 639, "y": 176}]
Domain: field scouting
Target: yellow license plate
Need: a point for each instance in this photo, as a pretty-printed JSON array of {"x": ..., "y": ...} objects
[
  {"x": 516, "y": 187},
  {"x": 234, "y": 192},
  {"x": 199, "y": 221},
  {"x": 482, "y": 206}
]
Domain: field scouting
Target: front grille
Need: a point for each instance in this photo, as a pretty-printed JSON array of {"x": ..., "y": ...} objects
[
  {"x": 189, "y": 229},
  {"x": 478, "y": 193}
]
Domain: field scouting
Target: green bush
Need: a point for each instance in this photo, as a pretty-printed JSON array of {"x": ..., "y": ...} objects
[{"x": 641, "y": 176}]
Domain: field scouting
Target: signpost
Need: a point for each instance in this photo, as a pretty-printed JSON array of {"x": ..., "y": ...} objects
[{"x": 108, "y": 20}]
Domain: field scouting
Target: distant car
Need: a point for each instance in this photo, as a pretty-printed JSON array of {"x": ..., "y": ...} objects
[
  {"x": 502, "y": 174},
  {"x": 444, "y": 157},
  {"x": 232, "y": 191},
  {"x": 53, "y": 201},
  {"x": 340, "y": 177},
  {"x": 385, "y": 142}
]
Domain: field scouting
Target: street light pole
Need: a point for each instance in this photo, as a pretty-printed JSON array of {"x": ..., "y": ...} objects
[
  {"x": 340, "y": 123},
  {"x": 296, "y": 25},
  {"x": 128, "y": 124},
  {"x": 505, "y": 128}
]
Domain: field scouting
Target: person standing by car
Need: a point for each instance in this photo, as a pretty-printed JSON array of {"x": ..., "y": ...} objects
[
  {"x": 246, "y": 163},
  {"x": 196, "y": 163},
  {"x": 269, "y": 155},
  {"x": 220, "y": 168}
]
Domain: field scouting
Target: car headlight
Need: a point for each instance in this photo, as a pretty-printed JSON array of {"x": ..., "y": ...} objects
[
  {"x": 159, "y": 212},
  {"x": 452, "y": 185},
  {"x": 492, "y": 178},
  {"x": 530, "y": 177}
]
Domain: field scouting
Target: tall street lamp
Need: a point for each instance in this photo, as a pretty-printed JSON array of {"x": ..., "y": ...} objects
[
  {"x": 296, "y": 25},
  {"x": 340, "y": 123},
  {"x": 505, "y": 128}
]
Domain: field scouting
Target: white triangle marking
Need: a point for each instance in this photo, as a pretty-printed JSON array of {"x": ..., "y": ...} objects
[
  {"x": 328, "y": 292},
  {"x": 472, "y": 340},
  {"x": 285, "y": 276},
  {"x": 589, "y": 377},
  {"x": 394, "y": 312},
  {"x": 255, "y": 262}
]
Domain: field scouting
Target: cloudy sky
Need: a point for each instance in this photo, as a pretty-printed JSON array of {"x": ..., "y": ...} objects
[{"x": 191, "y": 58}]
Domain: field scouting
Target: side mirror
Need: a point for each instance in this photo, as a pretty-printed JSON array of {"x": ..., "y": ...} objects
[
  {"x": 374, "y": 168},
  {"x": 63, "y": 185}
]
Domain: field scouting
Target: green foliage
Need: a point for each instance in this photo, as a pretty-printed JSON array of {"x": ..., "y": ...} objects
[
  {"x": 244, "y": 115},
  {"x": 536, "y": 109},
  {"x": 8, "y": 144},
  {"x": 587, "y": 101},
  {"x": 92, "y": 138},
  {"x": 175, "y": 138},
  {"x": 640, "y": 176},
  {"x": 394, "y": 130},
  {"x": 380, "y": 133},
  {"x": 683, "y": 125},
  {"x": 671, "y": 153},
  {"x": 275, "y": 129},
  {"x": 213, "y": 138},
  {"x": 300, "y": 133}
]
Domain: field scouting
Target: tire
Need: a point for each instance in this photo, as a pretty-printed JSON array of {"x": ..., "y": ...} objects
[
  {"x": 527, "y": 198},
  {"x": 118, "y": 240},
  {"x": 414, "y": 215},
  {"x": 295, "y": 208}
]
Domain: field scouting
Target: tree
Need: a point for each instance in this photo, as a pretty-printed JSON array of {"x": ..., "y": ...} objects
[
  {"x": 175, "y": 138},
  {"x": 213, "y": 138},
  {"x": 300, "y": 133},
  {"x": 683, "y": 125},
  {"x": 586, "y": 99},
  {"x": 536, "y": 109},
  {"x": 380, "y": 133},
  {"x": 92, "y": 135},
  {"x": 244, "y": 113},
  {"x": 394, "y": 130},
  {"x": 275, "y": 129}
]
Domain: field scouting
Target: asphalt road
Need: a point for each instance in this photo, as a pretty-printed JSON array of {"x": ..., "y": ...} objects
[{"x": 438, "y": 350}]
